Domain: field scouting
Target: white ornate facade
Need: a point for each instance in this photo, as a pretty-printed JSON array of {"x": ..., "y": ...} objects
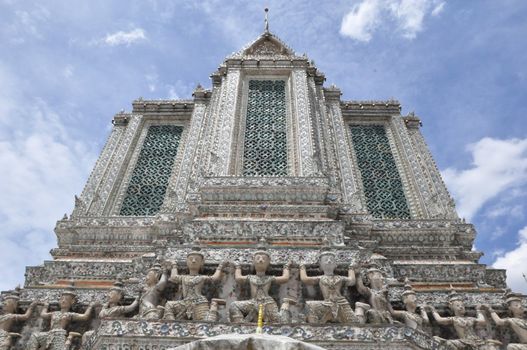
[{"x": 370, "y": 201}]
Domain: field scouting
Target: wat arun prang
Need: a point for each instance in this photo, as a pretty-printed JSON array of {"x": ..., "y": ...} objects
[{"x": 265, "y": 195}]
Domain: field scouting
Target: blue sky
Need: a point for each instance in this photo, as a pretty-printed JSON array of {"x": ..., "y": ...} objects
[{"x": 67, "y": 66}]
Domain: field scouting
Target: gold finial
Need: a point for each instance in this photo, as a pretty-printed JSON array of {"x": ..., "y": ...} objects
[
  {"x": 259, "y": 327},
  {"x": 266, "y": 20}
]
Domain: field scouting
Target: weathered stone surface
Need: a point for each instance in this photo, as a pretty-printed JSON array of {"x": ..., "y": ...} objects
[{"x": 114, "y": 333}]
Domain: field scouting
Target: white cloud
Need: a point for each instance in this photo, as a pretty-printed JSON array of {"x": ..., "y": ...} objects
[
  {"x": 152, "y": 80},
  {"x": 410, "y": 15},
  {"x": 67, "y": 72},
  {"x": 498, "y": 165},
  {"x": 362, "y": 20},
  {"x": 42, "y": 167},
  {"x": 226, "y": 18},
  {"x": 26, "y": 24},
  {"x": 172, "y": 93},
  {"x": 506, "y": 210},
  {"x": 407, "y": 15},
  {"x": 514, "y": 262},
  {"x": 125, "y": 38},
  {"x": 438, "y": 9},
  {"x": 180, "y": 90}
]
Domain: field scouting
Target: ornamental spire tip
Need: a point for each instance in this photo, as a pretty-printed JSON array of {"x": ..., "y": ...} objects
[{"x": 266, "y": 21}]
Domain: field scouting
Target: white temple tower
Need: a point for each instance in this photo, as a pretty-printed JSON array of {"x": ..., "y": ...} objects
[{"x": 267, "y": 156}]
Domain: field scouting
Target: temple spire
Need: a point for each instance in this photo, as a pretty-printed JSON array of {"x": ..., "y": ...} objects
[{"x": 266, "y": 21}]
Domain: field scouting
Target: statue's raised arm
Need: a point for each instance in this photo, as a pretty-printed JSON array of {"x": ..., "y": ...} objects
[
  {"x": 194, "y": 305},
  {"x": 335, "y": 307},
  {"x": 10, "y": 317},
  {"x": 57, "y": 338},
  {"x": 155, "y": 281},
  {"x": 377, "y": 294},
  {"x": 410, "y": 316},
  {"x": 517, "y": 321},
  {"x": 260, "y": 283},
  {"x": 464, "y": 326}
]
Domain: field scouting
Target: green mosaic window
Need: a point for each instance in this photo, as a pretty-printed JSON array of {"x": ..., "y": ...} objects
[
  {"x": 265, "y": 145},
  {"x": 382, "y": 184},
  {"x": 151, "y": 174}
]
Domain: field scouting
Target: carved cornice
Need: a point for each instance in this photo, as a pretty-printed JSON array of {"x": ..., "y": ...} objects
[
  {"x": 370, "y": 108},
  {"x": 173, "y": 107},
  {"x": 121, "y": 119},
  {"x": 265, "y": 189},
  {"x": 412, "y": 121},
  {"x": 262, "y": 181},
  {"x": 332, "y": 93},
  {"x": 253, "y": 229}
]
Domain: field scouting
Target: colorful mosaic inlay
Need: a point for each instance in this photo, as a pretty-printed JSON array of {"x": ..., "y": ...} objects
[
  {"x": 149, "y": 181},
  {"x": 265, "y": 145},
  {"x": 381, "y": 181}
]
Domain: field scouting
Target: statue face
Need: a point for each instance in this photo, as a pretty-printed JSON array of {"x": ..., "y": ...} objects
[
  {"x": 194, "y": 261},
  {"x": 376, "y": 279},
  {"x": 516, "y": 308},
  {"x": 410, "y": 300},
  {"x": 10, "y": 305},
  {"x": 66, "y": 301},
  {"x": 457, "y": 307},
  {"x": 114, "y": 296},
  {"x": 151, "y": 277},
  {"x": 328, "y": 263},
  {"x": 261, "y": 262}
]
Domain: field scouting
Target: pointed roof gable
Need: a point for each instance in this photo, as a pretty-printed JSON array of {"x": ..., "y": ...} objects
[
  {"x": 268, "y": 52},
  {"x": 266, "y": 45}
]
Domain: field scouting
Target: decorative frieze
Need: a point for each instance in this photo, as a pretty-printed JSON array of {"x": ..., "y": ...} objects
[
  {"x": 261, "y": 181},
  {"x": 175, "y": 201},
  {"x": 353, "y": 202},
  {"x": 254, "y": 230},
  {"x": 441, "y": 273},
  {"x": 280, "y": 256},
  {"x": 227, "y": 117},
  {"x": 111, "y": 175},
  {"x": 303, "y": 123},
  {"x": 52, "y": 271},
  {"x": 440, "y": 193},
  {"x": 140, "y": 333}
]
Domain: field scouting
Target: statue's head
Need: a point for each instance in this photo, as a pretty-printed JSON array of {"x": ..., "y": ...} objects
[
  {"x": 116, "y": 293},
  {"x": 327, "y": 262},
  {"x": 11, "y": 303},
  {"x": 376, "y": 277},
  {"x": 153, "y": 274},
  {"x": 195, "y": 260},
  {"x": 456, "y": 304},
  {"x": 457, "y": 307},
  {"x": 67, "y": 298},
  {"x": 408, "y": 296},
  {"x": 261, "y": 260},
  {"x": 514, "y": 302}
]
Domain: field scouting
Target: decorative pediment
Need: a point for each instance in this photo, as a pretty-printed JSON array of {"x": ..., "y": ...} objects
[{"x": 266, "y": 45}]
